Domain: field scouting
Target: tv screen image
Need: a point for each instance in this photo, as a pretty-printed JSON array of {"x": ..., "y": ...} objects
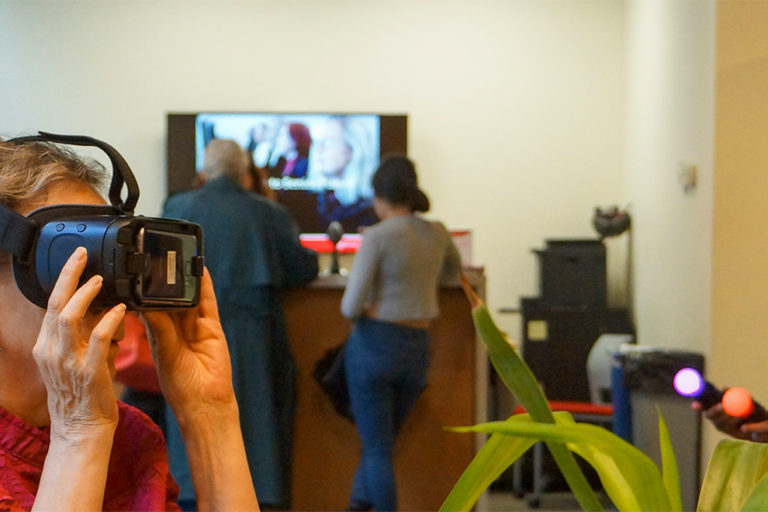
[{"x": 319, "y": 165}]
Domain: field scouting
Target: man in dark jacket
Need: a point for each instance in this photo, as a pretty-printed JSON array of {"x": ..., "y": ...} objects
[{"x": 252, "y": 250}]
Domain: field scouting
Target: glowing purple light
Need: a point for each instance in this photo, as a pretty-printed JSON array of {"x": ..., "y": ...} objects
[{"x": 689, "y": 382}]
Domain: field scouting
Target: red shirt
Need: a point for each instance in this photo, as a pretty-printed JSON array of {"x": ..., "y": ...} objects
[{"x": 137, "y": 479}]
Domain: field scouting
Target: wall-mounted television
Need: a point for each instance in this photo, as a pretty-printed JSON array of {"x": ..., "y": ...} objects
[{"x": 319, "y": 164}]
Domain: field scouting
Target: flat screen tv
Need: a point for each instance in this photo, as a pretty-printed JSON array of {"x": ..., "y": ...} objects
[{"x": 319, "y": 165}]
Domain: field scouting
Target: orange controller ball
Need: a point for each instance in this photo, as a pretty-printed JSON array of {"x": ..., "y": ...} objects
[{"x": 737, "y": 402}]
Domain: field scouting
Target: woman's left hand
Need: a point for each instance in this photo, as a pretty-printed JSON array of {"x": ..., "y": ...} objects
[{"x": 192, "y": 359}]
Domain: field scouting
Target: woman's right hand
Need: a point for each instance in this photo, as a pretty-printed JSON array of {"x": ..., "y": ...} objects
[{"x": 71, "y": 353}]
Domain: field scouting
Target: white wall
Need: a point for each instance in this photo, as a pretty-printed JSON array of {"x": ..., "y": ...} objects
[
  {"x": 671, "y": 75},
  {"x": 517, "y": 108},
  {"x": 671, "y": 119}
]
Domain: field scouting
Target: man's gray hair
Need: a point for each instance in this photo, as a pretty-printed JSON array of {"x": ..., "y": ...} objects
[{"x": 225, "y": 157}]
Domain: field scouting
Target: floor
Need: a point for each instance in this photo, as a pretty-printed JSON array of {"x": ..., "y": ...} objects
[
  {"x": 497, "y": 502},
  {"x": 550, "y": 502}
]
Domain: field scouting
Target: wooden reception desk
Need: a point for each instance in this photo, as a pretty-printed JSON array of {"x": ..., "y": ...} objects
[{"x": 428, "y": 459}]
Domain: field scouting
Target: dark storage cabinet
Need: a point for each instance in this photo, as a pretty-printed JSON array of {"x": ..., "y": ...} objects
[
  {"x": 573, "y": 273},
  {"x": 557, "y": 341},
  {"x": 561, "y": 325}
]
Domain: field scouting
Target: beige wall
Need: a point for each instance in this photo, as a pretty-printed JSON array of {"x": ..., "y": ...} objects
[
  {"x": 740, "y": 264},
  {"x": 516, "y": 107}
]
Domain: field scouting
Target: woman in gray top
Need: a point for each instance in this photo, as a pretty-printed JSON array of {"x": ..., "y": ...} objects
[{"x": 391, "y": 296}]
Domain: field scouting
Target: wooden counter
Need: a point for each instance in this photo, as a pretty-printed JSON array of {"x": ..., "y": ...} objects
[{"x": 428, "y": 459}]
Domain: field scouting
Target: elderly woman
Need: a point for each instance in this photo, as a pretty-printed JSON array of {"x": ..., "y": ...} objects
[{"x": 66, "y": 443}]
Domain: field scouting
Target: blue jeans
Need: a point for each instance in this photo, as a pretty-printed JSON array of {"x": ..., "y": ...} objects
[{"x": 386, "y": 367}]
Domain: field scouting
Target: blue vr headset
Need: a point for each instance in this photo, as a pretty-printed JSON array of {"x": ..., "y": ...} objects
[{"x": 147, "y": 263}]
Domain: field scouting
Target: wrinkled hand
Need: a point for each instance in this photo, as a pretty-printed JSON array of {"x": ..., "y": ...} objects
[
  {"x": 72, "y": 354},
  {"x": 191, "y": 354}
]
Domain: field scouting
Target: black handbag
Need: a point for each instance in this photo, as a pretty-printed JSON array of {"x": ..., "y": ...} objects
[{"x": 330, "y": 374}]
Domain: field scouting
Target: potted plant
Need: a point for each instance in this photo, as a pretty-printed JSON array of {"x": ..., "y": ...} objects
[{"x": 734, "y": 479}]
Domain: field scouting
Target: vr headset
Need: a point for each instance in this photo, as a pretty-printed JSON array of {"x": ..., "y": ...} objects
[{"x": 147, "y": 263}]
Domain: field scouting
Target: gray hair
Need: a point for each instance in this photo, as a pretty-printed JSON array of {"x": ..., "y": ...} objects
[
  {"x": 27, "y": 171},
  {"x": 225, "y": 157}
]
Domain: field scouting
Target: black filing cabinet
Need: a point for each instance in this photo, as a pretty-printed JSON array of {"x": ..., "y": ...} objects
[
  {"x": 561, "y": 325},
  {"x": 557, "y": 340}
]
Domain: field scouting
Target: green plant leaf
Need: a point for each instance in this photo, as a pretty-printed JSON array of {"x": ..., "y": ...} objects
[
  {"x": 517, "y": 376},
  {"x": 629, "y": 477},
  {"x": 497, "y": 454},
  {"x": 758, "y": 499},
  {"x": 514, "y": 372},
  {"x": 669, "y": 469},
  {"x": 733, "y": 472}
]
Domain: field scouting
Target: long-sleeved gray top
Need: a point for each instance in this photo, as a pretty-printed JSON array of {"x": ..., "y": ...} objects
[{"x": 398, "y": 268}]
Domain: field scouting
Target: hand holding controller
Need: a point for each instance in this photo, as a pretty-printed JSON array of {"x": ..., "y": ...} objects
[{"x": 732, "y": 411}]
